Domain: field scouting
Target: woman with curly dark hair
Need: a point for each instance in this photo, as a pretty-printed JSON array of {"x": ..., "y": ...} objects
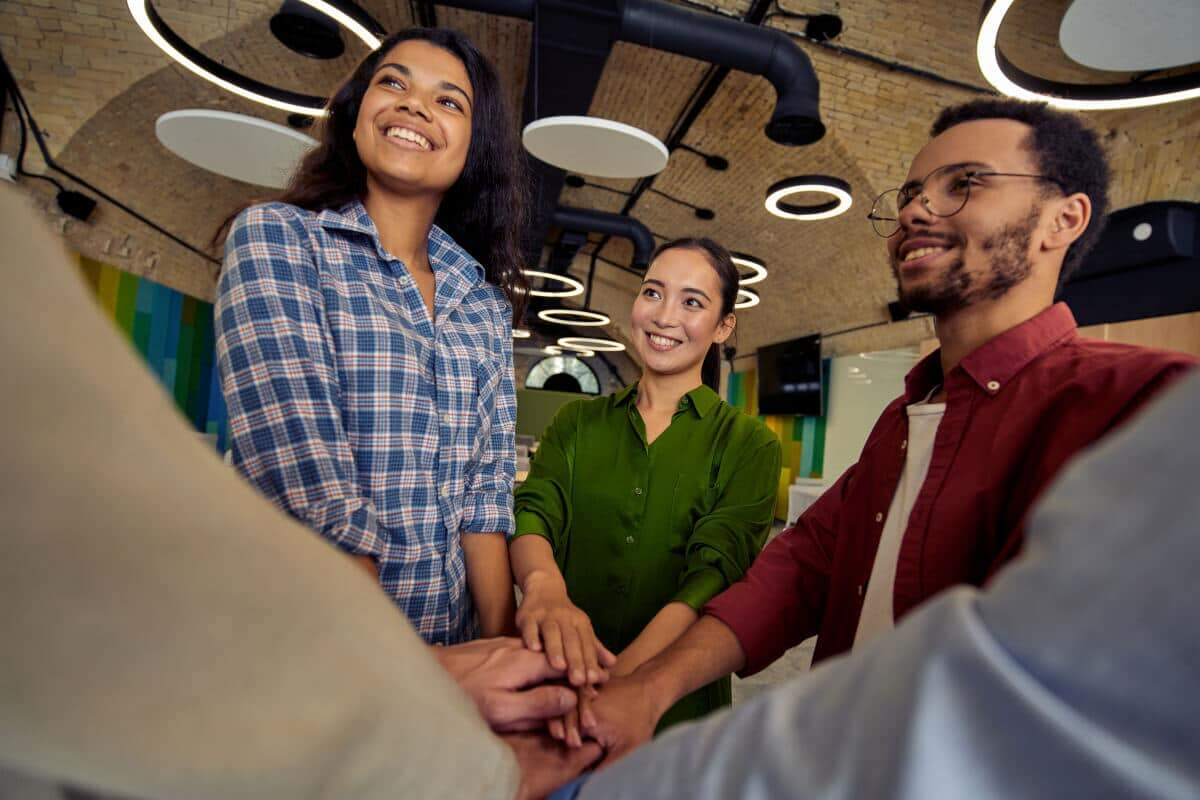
[{"x": 364, "y": 332}]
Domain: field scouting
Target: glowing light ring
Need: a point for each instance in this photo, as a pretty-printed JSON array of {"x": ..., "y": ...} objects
[
  {"x": 757, "y": 268},
  {"x": 1015, "y": 82},
  {"x": 747, "y": 299},
  {"x": 344, "y": 12},
  {"x": 586, "y": 343},
  {"x": 554, "y": 350},
  {"x": 521, "y": 333},
  {"x": 560, "y": 316},
  {"x": 838, "y": 188},
  {"x": 574, "y": 287}
]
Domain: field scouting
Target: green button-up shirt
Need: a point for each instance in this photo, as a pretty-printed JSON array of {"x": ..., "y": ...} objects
[{"x": 636, "y": 526}]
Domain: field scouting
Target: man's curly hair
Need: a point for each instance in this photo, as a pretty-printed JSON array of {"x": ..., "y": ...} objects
[{"x": 1064, "y": 148}]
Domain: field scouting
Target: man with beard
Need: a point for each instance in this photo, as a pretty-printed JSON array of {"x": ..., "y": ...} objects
[{"x": 998, "y": 209}]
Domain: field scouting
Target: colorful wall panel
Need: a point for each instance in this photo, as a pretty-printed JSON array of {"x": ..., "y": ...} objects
[
  {"x": 174, "y": 334},
  {"x": 803, "y": 438}
]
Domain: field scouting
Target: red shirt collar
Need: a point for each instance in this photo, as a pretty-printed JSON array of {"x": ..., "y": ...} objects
[{"x": 994, "y": 363}]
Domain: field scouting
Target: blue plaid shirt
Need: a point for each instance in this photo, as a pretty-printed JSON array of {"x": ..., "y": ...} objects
[{"x": 387, "y": 433}]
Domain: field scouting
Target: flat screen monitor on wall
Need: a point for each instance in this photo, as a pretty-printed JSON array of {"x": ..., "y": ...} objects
[{"x": 789, "y": 378}]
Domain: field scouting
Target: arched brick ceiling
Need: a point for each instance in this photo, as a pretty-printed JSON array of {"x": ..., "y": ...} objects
[{"x": 96, "y": 85}]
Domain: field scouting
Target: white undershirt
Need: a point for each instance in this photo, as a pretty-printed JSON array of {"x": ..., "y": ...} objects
[{"x": 877, "y": 614}]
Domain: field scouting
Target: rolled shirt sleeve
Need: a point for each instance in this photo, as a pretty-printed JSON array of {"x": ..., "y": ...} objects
[
  {"x": 779, "y": 602},
  {"x": 725, "y": 541},
  {"x": 280, "y": 381},
  {"x": 543, "y": 503},
  {"x": 488, "y": 505}
]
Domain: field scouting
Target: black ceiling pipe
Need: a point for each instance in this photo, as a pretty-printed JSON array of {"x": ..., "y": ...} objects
[
  {"x": 719, "y": 40},
  {"x": 590, "y": 221},
  {"x": 747, "y": 48}
]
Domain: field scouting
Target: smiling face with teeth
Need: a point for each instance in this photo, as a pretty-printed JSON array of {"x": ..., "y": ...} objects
[
  {"x": 413, "y": 129},
  {"x": 945, "y": 264},
  {"x": 677, "y": 314}
]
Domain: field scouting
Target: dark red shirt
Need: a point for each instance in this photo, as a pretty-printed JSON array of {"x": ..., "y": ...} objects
[{"x": 1017, "y": 408}]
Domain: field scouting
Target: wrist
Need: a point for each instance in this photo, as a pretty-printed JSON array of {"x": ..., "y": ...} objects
[
  {"x": 543, "y": 582},
  {"x": 661, "y": 688}
]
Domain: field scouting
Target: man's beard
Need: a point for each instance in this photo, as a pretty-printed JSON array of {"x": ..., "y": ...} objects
[{"x": 955, "y": 289}]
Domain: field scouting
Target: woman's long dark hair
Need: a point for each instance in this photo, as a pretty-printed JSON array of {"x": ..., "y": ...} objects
[
  {"x": 721, "y": 262},
  {"x": 485, "y": 208}
]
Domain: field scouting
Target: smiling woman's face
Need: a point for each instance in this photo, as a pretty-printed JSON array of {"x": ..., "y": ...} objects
[
  {"x": 414, "y": 124},
  {"x": 677, "y": 314}
]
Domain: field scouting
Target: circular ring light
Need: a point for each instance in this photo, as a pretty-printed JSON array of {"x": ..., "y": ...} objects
[
  {"x": 758, "y": 270},
  {"x": 589, "y": 344},
  {"x": 521, "y": 333},
  {"x": 574, "y": 316},
  {"x": 747, "y": 299},
  {"x": 1015, "y": 82},
  {"x": 555, "y": 350},
  {"x": 345, "y": 12},
  {"x": 574, "y": 287},
  {"x": 825, "y": 184}
]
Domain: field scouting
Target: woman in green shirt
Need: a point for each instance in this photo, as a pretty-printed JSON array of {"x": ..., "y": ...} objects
[{"x": 643, "y": 505}]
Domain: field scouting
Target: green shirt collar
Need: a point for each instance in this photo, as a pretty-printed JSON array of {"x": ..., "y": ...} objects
[{"x": 701, "y": 399}]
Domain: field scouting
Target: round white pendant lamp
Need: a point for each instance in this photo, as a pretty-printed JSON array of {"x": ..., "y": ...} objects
[
  {"x": 237, "y": 146},
  {"x": 603, "y": 148}
]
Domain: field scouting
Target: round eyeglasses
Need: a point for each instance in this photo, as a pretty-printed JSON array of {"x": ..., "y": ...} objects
[{"x": 942, "y": 193}]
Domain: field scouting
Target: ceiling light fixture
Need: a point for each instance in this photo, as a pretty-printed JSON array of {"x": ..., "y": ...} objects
[
  {"x": 1015, "y": 82},
  {"x": 587, "y": 343},
  {"x": 758, "y": 270},
  {"x": 573, "y": 289},
  {"x": 594, "y": 146},
  {"x": 521, "y": 333},
  {"x": 345, "y": 12},
  {"x": 574, "y": 316},
  {"x": 747, "y": 298},
  {"x": 824, "y": 184}
]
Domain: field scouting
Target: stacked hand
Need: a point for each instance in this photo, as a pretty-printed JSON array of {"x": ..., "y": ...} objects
[{"x": 549, "y": 622}]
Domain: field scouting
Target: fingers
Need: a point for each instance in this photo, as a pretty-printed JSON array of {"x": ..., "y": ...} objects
[
  {"x": 588, "y": 645},
  {"x": 530, "y": 634},
  {"x": 571, "y": 726},
  {"x": 504, "y": 709},
  {"x": 587, "y": 717},
  {"x": 573, "y": 649},
  {"x": 552, "y": 639},
  {"x": 557, "y": 728}
]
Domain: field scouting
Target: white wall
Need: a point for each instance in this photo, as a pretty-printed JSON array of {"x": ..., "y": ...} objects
[{"x": 860, "y": 387}]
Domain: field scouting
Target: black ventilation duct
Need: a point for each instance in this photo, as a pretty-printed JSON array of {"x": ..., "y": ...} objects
[
  {"x": 573, "y": 38},
  {"x": 748, "y": 48},
  {"x": 585, "y": 220},
  {"x": 1146, "y": 264},
  {"x": 708, "y": 37}
]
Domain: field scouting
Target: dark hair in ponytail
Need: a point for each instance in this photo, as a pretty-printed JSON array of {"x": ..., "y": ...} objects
[
  {"x": 484, "y": 211},
  {"x": 721, "y": 262}
]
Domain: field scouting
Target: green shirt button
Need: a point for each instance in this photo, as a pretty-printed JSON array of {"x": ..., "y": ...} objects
[
  {"x": 637, "y": 490},
  {"x": 628, "y": 540}
]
